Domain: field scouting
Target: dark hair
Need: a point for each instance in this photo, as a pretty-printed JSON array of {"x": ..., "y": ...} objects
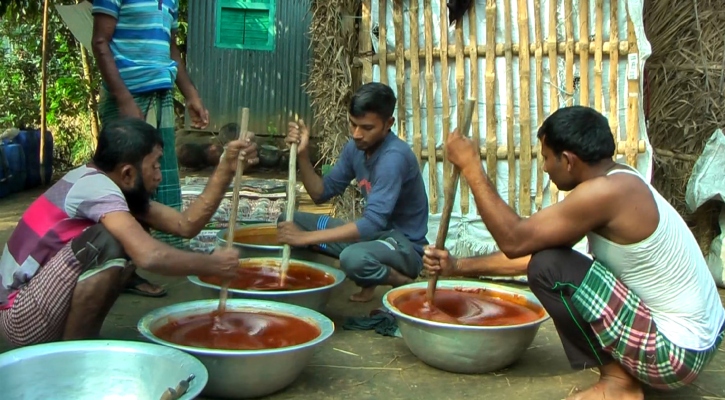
[
  {"x": 373, "y": 97},
  {"x": 125, "y": 141},
  {"x": 580, "y": 130}
]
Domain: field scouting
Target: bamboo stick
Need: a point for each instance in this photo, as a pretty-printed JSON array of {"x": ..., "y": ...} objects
[
  {"x": 290, "y": 212},
  {"x": 539, "y": 41},
  {"x": 632, "y": 96},
  {"x": 613, "y": 73},
  {"x": 445, "y": 77},
  {"x": 524, "y": 112},
  {"x": 583, "y": 54},
  {"x": 238, "y": 173},
  {"x": 502, "y": 152},
  {"x": 622, "y": 48},
  {"x": 598, "y": 44},
  {"x": 509, "y": 103},
  {"x": 473, "y": 63},
  {"x": 461, "y": 97},
  {"x": 553, "y": 77},
  {"x": 366, "y": 46},
  {"x": 415, "y": 78},
  {"x": 400, "y": 66},
  {"x": 383, "y": 39},
  {"x": 491, "y": 119},
  {"x": 449, "y": 197},
  {"x": 430, "y": 103},
  {"x": 569, "y": 53}
]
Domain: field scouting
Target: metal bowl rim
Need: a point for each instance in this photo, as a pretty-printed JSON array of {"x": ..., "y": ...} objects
[
  {"x": 325, "y": 324},
  {"x": 196, "y": 367},
  {"x": 452, "y": 283},
  {"x": 339, "y": 276},
  {"x": 221, "y": 236}
]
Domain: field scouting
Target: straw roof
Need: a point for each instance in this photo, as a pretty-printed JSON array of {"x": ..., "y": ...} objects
[{"x": 686, "y": 82}]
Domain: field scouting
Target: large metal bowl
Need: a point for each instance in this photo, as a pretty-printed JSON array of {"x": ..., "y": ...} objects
[
  {"x": 97, "y": 369},
  {"x": 248, "y": 250},
  {"x": 465, "y": 349},
  {"x": 243, "y": 373},
  {"x": 315, "y": 298}
]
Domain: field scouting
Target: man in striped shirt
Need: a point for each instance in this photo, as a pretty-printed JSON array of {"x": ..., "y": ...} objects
[
  {"x": 65, "y": 263},
  {"x": 134, "y": 42}
]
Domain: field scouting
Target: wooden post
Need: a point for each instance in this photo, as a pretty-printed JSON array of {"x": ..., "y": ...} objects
[{"x": 43, "y": 92}]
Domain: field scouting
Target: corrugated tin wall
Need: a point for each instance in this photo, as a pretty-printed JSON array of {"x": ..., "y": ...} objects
[{"x": 269, "y": 83}]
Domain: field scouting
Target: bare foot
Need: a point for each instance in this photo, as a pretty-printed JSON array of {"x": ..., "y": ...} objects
[
  {"x": 364, "y": 295},
  {"x": 614, "y": 383}
]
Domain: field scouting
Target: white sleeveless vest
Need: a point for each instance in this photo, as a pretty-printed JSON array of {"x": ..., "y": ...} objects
[{"x": 668, "y": 272}]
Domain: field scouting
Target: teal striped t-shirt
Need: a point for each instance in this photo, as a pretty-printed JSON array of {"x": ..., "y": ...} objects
[{"x": 141, "y": 42}]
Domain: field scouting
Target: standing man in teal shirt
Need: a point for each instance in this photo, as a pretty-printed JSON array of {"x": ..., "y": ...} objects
[{"x": 134, "y": 43}]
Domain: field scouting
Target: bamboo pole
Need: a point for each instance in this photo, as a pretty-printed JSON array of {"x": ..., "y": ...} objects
[
  {"x": 509, "y": 103},
  {"x": 539, "y": 41},
  {"x": 430, "y": 131},
  {"x": 382, "y": 40},
  {"x": 449, "y": 197},
  {"x": 502, "y": 152},
  {"x": 491, "y": 119},
  {"x": 473, "y": 94},
  {"x": 461, "y": 99},
  {"x": 583, "y": 54},
  {"x": 524, "y": 112},
  {"x": 553, "y": 77},
  {"x": 238, "y": 173},
  {"x": 569, "y": 55},
  {"x": 622, "y": 48},
  {"x": 632, "y": 96},
  {"x": 613, "y": 73},
  {"x": 445, "y": 83},
  {"x": 366, "y": 46},
  {"x": 598, "y": 53},
  {"x": 400, "y": 66},
  {"x": 44, "y": 92},
  {"x": 415, "y": 78}
]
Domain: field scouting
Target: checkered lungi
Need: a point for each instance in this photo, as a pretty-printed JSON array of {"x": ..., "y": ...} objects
[
  {"x": 158, "y": 107},
  {"x": 625, "y": 328}
]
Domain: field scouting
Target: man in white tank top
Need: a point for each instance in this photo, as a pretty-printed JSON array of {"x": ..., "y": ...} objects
[{"x": 645, "y": 310}]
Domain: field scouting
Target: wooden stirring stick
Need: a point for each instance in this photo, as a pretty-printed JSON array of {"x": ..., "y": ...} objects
[
  {"x": 449, "y": 193},
  {"x": 291, "y": 197},
  {"x": 235, "y": 205}
]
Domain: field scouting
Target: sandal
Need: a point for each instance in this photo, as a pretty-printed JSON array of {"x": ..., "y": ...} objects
[{"x": 133, "y": 287}]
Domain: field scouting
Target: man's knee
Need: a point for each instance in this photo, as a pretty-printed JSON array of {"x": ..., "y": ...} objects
[
  {"x": 96, "y": 246},
  {"x": 361, "y": 266},
  {"x": 542, "y": 265}
]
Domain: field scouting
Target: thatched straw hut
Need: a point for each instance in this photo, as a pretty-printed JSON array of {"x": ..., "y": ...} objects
[{"x": 686, "y": 91}]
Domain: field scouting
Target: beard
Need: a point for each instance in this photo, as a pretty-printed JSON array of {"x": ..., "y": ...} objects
[{"x": 138, "y": 199}]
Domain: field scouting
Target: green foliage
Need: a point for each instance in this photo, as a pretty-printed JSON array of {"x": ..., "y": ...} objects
[{"x": 68, "y": 93}]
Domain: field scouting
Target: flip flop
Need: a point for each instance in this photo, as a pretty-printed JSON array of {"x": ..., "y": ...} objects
[{"x": 135, "y": 281}]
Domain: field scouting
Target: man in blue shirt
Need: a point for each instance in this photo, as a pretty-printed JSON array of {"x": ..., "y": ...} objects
[{"x": 385, "y": 246}]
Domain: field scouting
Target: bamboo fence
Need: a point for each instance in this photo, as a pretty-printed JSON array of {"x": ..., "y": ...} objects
[{"x": 580, "y": 49}]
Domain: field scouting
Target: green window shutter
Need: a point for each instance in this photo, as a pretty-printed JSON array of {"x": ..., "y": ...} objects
[{"x": 246, "y": 24}]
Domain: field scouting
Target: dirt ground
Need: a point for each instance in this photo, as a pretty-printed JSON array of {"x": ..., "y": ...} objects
[{"x": 383, "y": 367}]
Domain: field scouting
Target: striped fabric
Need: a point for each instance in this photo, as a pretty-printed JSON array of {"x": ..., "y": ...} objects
[
  {"x": 625, "y": 328},
  {"x": 75, "y": 202},
  {"x": 158, "y": 107},
  {"x": 141, "y": 41},
  {"x": 41, "y": 307}
]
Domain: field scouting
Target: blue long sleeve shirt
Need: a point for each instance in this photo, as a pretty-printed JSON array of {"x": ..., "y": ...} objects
[{"x": 392, "y": 185}]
